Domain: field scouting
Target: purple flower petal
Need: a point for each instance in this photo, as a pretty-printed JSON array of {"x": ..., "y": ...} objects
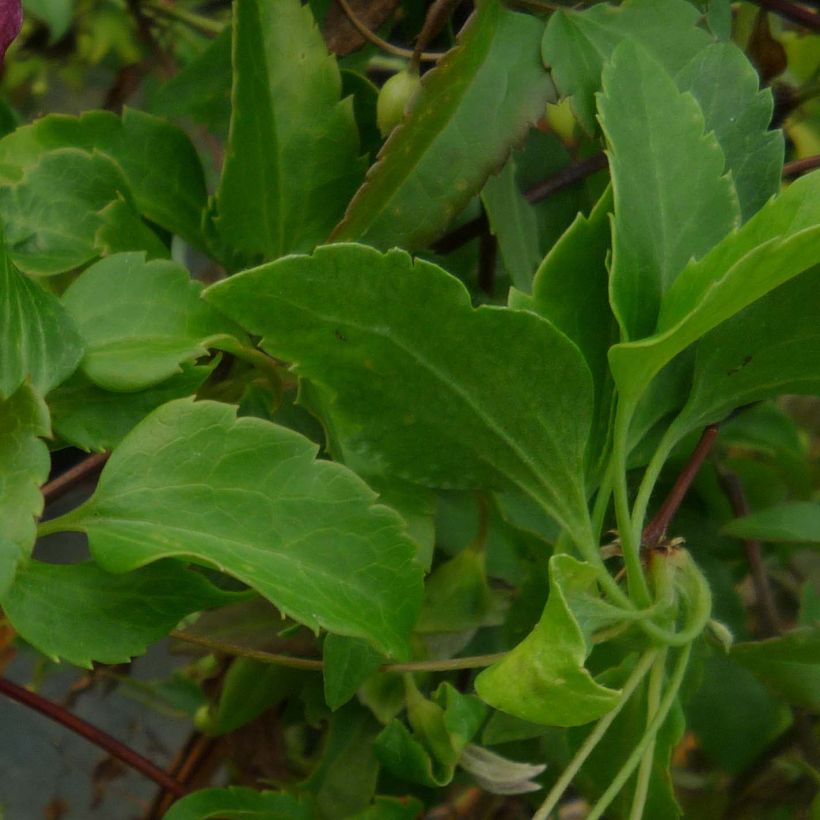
[{"x": 11, "y": 19}]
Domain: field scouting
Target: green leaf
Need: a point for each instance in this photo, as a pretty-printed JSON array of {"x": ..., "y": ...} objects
[
  {"x": 52, "y": 214},
  {"x": 158, "y": 160},
  {"x": 406, "y": 758},
  {"x": 292, "y": 158},
  {"x": 40, "y": 340},
  {"x": 80, "y": 613},
  {"x": 392, "y": 808},
  {"x": 672, "y": 200},
  {"x": 795, "y": 522},
  {"x": 571, "y": 290},
  {"x": 348, "y": 663},
  {"x": 122, "y": 229},
  {"x": 472, "y": 108},
  {"x": 24, "y": 466},
  {"x": 239, "y": 803},
  {"x": 725, "y": 85},
  {"x": 543, "y": 679},
  {"x": 513, "y": 221},
  {"x": 247, "y": 497},
  {"x": 779, "y": 242},
  {"x": 769, "y": 349},
  {"x": 91, "y": 418},
  {"x": 138, "y": 336},
  {"x": 56, "y": 14},
  {"x": 577, "y": 43},
  {"x": 408, "y": 360}
]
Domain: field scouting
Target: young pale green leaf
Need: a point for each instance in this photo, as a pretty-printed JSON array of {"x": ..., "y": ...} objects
[
  {"x": 769, "y": 349},
  {"x": 53, "y": 212},
  {"x": 472, "y": 108},
  {"x": 292, "y": 158},
  {"x": 789, "y": 666},
  {"x": 141, "y": 320},
  {"x": 79, "y": 613},
  {"x": 496, "y": 396},
  {"x": 249, "y": 498},
  {"x": 157, "y": 159},
  {"x": 513, "y": 221},
  {"x": 24, "y": 466},
  {"x": 543, "y": 680},
  {"x": 91, "y": 418},
  {"x": 779, "y": 242},
  {"x": 240, "y": 803},
  {"x": 39, "y": 339},
  {"x": 348, "y": 663},
  {"x": 577, "y": 43},
  {"x": 672, "y": 200},
  {"x": 571, "y": 290},
  {"x": 795, "y": 521},
  {"x": 725, "y": 85}
]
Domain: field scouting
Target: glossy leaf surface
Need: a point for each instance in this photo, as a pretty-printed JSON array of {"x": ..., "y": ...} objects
[
  {"x": 498, "y": 396},
  {"x": 291, "y": 139},
  {"x": 672, "y": 200},
  {"x": 249, "y": 498},
  {"x": 472, "y": 109}
]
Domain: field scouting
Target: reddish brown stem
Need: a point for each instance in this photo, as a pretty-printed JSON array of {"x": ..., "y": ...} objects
[
  {"x": 754, "y": 557},
  {"x": 656, "y": 528},
  {"x": 59, "y": 486},
  {"x": 91, "y": 733},
  {"x": 792, "y": 11},
  {"x": 801, "y": 166}
]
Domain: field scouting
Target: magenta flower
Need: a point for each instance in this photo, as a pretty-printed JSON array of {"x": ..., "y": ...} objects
[{"x": 11, "y": 19}]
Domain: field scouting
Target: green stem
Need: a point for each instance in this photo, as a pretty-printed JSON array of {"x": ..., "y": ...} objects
[
  {"x": 592, "y": 739},
  {"x": 638, "y": 589},
  {"x": 653, "y": 699},
  {"x": 602, "y": 503},
  {"x": 196, "y": 21},
  {"x": 648, "y": 736}
]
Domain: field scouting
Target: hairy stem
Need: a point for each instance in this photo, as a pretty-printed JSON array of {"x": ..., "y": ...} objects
[
  {"x": 593, "y": 738},
  {"x": 91, "y": 733}
]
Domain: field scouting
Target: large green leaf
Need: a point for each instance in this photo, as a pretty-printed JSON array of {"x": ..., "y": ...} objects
[
  {"x": 82, "y": 614},
  {"x": 543, "y": 680},
  {"x": 249, "y": 498},
  {"x": 578, "y": 43},
  {"x": 433, "y": 390},
  {"x": 769, "y": 349},
  {"x": 95, "y": 419},
  {"x": 141, "y": 320},
  {"x": 789, "y": 665},
  {"x": 725, "y": 84},
  {"x": 39, "y": 339},
  {"x": 779, "y": 242},
  {"x": 292, "y": 158},
  {"x": 796, "y": 521},
  {"x": 472, "y": 108},
  {"x": 53, "y": 212},
  {"x": 24, "y": 466},
  {"x": 157, "y": 158},
  {"x": 239, "y": 803},
  {"x": 672, "y": 200}
]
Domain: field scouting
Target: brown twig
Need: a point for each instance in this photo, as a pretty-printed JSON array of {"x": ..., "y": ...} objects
[
  {"x": 566, "y": 177},
  {"x": 437, "y": 16},
  {"x": 656, "y": 528},
  {"x": 58, "y": 487},
  {"x": 792, "y": 11},
  {"x": 93, "y": 734},
  {"x": 754, "y": 557},
  {"x": 801, "y": 166}
]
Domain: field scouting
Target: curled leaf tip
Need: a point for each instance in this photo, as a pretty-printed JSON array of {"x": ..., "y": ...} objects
[{"x": 11, "y": 20}]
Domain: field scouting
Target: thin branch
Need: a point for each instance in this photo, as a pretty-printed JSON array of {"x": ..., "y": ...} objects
[
  {"x": 754, "y": 557},
  {"x": 792, "y": 11},
  {"x": 656, "y": 528},
  {"x": 58, "y": 487},
  {"x": 566, "y": 177},
  {"x": 801, "y": 166},
  {"x": 437, "y": 16},
  {"x": 225, "y": 648},
  {"x": 372, "y": 37},
  {"x": 93, "y": 734}
]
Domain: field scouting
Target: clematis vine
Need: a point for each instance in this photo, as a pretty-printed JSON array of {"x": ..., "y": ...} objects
[{"x": 11, "y": 19}]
